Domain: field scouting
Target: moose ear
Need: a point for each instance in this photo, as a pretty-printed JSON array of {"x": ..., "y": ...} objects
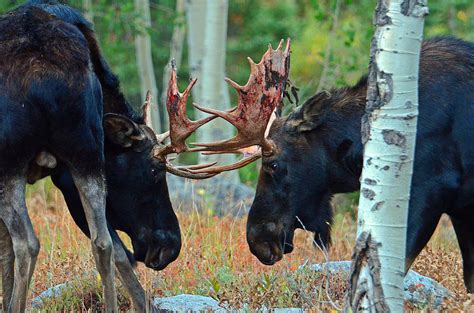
[
  {"x": 121, "y": 130},
  {"x": 311, "y": 114}
]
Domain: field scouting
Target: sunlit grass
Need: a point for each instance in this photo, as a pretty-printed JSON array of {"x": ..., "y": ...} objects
[{"x": 215, "y": 261}]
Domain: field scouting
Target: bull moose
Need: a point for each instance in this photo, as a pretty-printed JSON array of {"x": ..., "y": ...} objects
[
  {"x": 317, "y": 151},
  {"x": 62, "y": 114}
]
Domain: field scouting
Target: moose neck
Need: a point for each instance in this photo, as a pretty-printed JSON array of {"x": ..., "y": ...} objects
[
  {"x": 114, "y": 100},
  {"x": 343, "y": 127}
]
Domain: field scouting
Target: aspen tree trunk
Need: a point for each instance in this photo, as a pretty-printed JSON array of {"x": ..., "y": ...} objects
[
  {"x": 145, "y": 61},
  {"x": 388, "y": 133},
  {"x": 88, "y": 12},
  {"x": 176, "y": 52},
  {"x": 208, "y": 65},
  {"x": 195, "y": 19}
]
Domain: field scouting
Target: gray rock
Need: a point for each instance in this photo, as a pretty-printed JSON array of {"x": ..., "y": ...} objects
[
  {"x": 187, "y": 303},
  {"x": 288, "y": 310},
  {"x": 223, "y": 197},
  {"x": 51, "y": 293},
  {"x": 264, "y": 309},
  {"x": 419, "y": 290}
]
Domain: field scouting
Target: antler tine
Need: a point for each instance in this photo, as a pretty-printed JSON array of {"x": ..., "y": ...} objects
[
  {"x": 187, "y": 174},
  {"x": 253, "y": 66},
  {"x": 216, "y": 113},
  {"x": 162, "y": 137},
  {"x": 224, "y": 168},
  {"x": 233, "y": 83},
  {"x": 287, "y": 49},
  {"x": 229, "y": 145},
  {"x": 196, "y": 167},
  {"x": 146, "y": 109}
]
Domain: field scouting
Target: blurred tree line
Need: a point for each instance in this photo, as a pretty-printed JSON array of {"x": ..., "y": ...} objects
[{"x": 330, "y": 38}]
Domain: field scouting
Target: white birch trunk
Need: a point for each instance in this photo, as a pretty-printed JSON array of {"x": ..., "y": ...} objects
[
  {"x": 195, "y": 20},
  {"x": 176, "y": 52},
  {"x": 145, "y": 62},
  {"x": 213, "y": 90},
  {"x": 389, "y": 133}
]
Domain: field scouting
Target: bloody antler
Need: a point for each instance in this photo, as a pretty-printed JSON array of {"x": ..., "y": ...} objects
[
  {"x": 181, "y": 127},
  {"x": 257, "y": 102}
]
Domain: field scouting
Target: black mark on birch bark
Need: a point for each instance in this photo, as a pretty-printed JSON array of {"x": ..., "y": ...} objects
[
  {"x": 366, "y": 255},
  {"x": 385, "y": 87},
  {"x": 371, "y": 182},
  {"x": 368, "y": 193},
  {"x": 415, "y": 8},
  {"x": 369, "y": 161},
  {"x": 380, "y": 84},
  {"x": 381, "y": 17},
  {"x": 403, "y": 157},
  {"x": 409, "y": 117},
  {"x": 394, "y": 137},
  {"x": 373, "y": 100},
  {"x": 365, "y": 129},
  {"x": 377, "y": 206}
]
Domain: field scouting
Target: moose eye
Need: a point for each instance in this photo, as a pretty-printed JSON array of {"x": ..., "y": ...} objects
[{"x": 272, "y": 167}]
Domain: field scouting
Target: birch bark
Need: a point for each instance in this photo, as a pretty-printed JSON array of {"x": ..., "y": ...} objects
[
  {"x": 388, "y": 133},
  {"x": 195, "y": 20}
]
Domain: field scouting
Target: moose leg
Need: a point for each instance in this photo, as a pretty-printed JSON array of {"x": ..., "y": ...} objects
[
  {"x": 25, "y": 245},
  {"x": 6, "y": 264},
  {"x": 93, "y": 192},
  {"x": 123, "y": 262},
  {"x": 422, "y": 222},
  {"x": 127, "y": 275},
  {"x": 463, "y": 226}
]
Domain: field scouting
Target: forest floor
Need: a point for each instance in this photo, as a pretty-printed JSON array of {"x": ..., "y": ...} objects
[{"x": 215, "y": 261}]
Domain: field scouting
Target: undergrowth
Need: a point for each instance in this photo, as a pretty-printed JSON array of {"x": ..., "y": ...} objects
[{"x": 215, "y": 261}]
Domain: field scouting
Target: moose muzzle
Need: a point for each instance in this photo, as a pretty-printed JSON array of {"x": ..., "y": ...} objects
[{"x": 269, "y": 241}]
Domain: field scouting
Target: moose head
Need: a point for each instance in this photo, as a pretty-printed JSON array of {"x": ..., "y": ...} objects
[{"x": 135, "y": 149}]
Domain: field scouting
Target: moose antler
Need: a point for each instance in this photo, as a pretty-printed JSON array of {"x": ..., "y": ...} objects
[
  {"x": 146, "y": 116},
  {"x": 257, "y": 102},
  {"x": 181, "y": 127}
]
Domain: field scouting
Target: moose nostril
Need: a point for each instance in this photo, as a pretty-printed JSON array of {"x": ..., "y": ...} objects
[
  {"x": 271, "y": 227},
  {"x": 159, "y": 236}
]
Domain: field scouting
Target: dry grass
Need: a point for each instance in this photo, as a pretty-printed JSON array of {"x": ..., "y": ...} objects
[{"x": 215, "y": 261}]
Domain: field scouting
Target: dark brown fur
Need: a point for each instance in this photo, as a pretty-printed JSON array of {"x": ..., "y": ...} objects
[{"x": 20, "y": 62}]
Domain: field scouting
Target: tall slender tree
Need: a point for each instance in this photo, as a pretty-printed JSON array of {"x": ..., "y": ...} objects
[
  {"x": 176, "y": 53},
  {"x": 145, "y": 61},
  {"x": 207, "y": 63},
  {"x": 195, "y": 17},
  {"x": 389, "y": 133}
]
